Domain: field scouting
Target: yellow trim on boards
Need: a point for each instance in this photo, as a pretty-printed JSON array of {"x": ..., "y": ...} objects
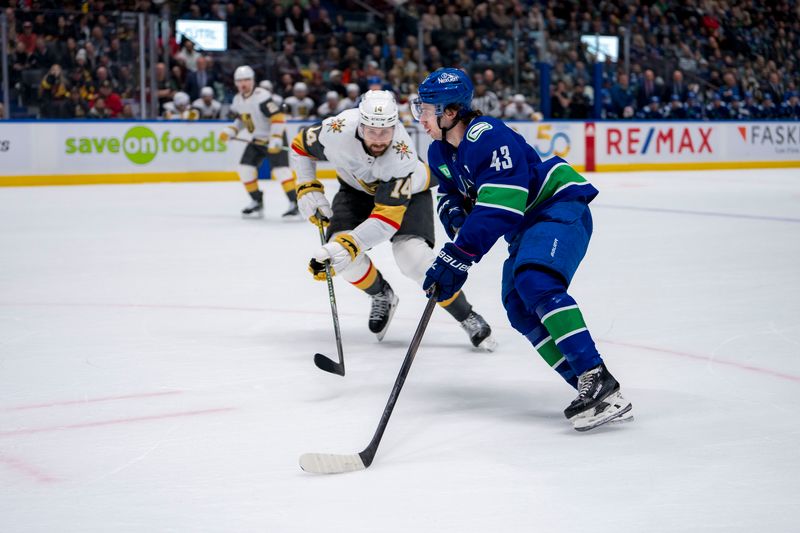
[
  {"x": 144, "y": 177},
  {"x": 704, "y": 165}
]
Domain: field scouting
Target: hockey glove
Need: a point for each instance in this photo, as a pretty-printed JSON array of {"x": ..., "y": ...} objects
[
  {"x": 311, "y": 199},
  {"x": 275, "y": 145},
  {"x": 452, "y": 214},
  {"x": 341, "y": 252},
  {"x": 448, "y": 271}
]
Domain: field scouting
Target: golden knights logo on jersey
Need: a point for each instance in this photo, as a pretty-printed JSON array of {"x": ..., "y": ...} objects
[
  {"x": 336, "y": 125},
  {"x": 402, "y": 149}
]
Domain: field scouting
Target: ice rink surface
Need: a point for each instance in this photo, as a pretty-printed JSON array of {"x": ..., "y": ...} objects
[{"x": 156, "y": 372}]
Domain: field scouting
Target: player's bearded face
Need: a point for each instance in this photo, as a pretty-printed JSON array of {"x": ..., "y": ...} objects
[
  {"x": 378, "y": 139},
  {"x": 245, "y": 87}
]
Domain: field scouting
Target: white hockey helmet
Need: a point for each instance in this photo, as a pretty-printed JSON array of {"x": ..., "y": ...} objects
[
  {"x": 378, "y": 109},
  {"x": 353, "y": 88},
  {"x": 181, "y": 99},
  {"x": 266, "y": 84},
  {"x": 300, "y": 87},
  {"x": 206, "y": 91},
  {"x": 244, "y": 73},
  {"x": 331, "y": 95}
]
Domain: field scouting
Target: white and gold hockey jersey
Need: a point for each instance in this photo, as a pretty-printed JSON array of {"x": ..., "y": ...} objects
[
  {"x": 300, "y": 108},
  {"x": 392, "y": 178},
  {"x": 258, "y": 114},
  {"x": 208, "y": 112},
  {"x": 173, "y": 113}
]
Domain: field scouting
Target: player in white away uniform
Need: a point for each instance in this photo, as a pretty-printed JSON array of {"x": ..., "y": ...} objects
[
  {"x": 384, "y": 195},
  {"x": 179, "y": 109},
  {"x": 209, "y": 108},
  {"x": 255, "y": 111}
]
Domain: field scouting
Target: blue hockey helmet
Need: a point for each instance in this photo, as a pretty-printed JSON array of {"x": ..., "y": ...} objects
[{"x": 444, "y": 87}]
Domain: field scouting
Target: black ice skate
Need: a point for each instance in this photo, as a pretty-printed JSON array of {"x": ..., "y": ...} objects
[
  {"x": 599, "y": 401},
  {"x": 254, "y": 209},
  {"x": 383, "y": 305},
  {"x": 480, "y": 334},
  {"x": 292, "y": 212}
]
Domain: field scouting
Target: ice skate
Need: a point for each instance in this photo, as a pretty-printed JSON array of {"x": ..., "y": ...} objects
[
  {"x": 253, "y": 210},
  {"x": 292, "y": 213},
  {"x": 599, "y": 401},
  {"x": 383, "y": 305},
  {"x": 480, "y": 334}
]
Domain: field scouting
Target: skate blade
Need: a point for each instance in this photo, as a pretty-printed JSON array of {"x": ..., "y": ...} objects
[
  {"x": 253, "y": 216},
  {"x": 382, "y": 333},
  {"x": 487, "y": 345},
  {"x": 587, "y": 423}
]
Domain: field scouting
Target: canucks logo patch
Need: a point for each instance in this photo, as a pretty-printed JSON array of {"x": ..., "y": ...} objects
[
  {"x": 477, "y": 130},
  {"x": 445, "y": 171},
  {"x": 336, "y": 125},
  {"x": 402, "y": 149}
]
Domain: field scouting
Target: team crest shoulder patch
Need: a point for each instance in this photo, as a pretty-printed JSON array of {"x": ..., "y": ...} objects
[
  {"x": 402, "y": 149},
  {"x": 476, "y": 130},
  {"x": 336, "y": 125}
]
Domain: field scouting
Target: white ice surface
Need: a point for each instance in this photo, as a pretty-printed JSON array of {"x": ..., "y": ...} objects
[{"x": 156, "y": 372}]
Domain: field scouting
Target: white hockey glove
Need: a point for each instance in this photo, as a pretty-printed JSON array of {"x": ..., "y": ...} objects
[
  {"x": 275, "y": 145},
  {"x": 341, "y": 252},
  {"x": 311, "y": 199}
]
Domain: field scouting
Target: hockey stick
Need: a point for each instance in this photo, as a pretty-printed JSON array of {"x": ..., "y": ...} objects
[
  {"x": 331, "y": 463},
  {"x": 283, "y": 148},
  {"x": 323, "y": 362}
]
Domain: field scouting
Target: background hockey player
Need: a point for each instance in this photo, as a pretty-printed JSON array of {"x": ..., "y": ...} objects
[
  {"x": 492, "y": 183},
  {"x": 384, "y": 195},
  {"x": 263, "y": 119},
  {"x": 179, "y": 108},
  {"x": 299, "y": 105},
  {"x": 208, "y": 108}
]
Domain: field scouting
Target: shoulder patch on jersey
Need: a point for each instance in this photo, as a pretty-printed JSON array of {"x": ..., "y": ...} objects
[
  {"x": 477, "y": 130},
  {"x": 272, "y": 107},
  {"x": 445, "y": 171},
  {"x": 402, "y": 149},
  {"x": 336, "y": 125}
]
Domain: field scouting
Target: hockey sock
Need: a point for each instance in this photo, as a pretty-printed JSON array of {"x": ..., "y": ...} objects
[
  {"x": 256, "y": 195},
  {"x": 458, "y": 306},
  {"x": 362, "y": 274},
  {"x": 252, "y": 187},
  {"x": 287, "y": 179},
  {"x": 546, "y": 346},
  {"x": 545, "y": 293}
]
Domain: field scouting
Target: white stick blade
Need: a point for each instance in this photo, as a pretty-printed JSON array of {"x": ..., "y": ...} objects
[{"x": 331, "y": 463}]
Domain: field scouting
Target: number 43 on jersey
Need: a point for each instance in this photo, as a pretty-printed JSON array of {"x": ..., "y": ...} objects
[{"x": 503, "y": 161}]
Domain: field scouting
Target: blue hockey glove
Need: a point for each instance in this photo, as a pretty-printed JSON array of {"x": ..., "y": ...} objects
[
  {"x": 452, "y": 214},
  {"x": 449, "y": 271}
]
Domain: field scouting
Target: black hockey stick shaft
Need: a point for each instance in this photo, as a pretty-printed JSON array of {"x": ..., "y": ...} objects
[
  {"x": 283, "y": 148},
  {"x": 323, "y": 362},
  {"x": 369, "y": 452}
]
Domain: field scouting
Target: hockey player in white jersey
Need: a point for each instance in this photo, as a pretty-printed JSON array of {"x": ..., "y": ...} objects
[
  {"x": 209, "y": 108},
  {"x": 299, "y": 105},
  {"x": 384, "y": 195},
  {"x": 263, "y": 119},
  {"x": 179, "y": 108}
]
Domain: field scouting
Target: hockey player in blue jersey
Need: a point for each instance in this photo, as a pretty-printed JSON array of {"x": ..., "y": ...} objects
[{"x": 492, "y": 183}]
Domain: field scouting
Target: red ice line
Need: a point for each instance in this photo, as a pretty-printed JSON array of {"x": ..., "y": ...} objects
[
  {"x": 25, "y": 468},
  {"x": 89, "y": 400},
  {"x": 129, "y": 420}
]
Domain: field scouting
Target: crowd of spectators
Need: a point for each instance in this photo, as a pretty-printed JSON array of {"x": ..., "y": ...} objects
[{"x": 689, "y": 59}]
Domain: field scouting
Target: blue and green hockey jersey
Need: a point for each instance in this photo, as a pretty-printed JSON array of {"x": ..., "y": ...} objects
[{"x": 503, "y": 180}]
